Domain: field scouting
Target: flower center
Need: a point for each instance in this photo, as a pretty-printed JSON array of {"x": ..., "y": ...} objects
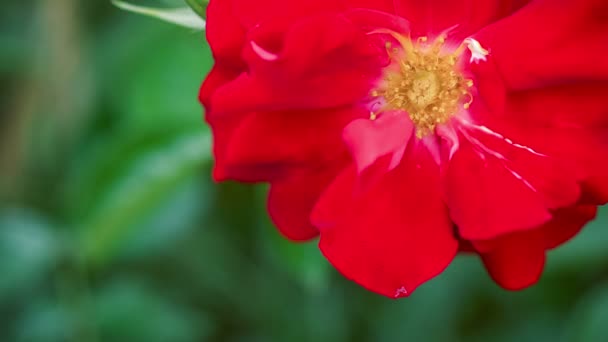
[{"x": 424, "y": 81}]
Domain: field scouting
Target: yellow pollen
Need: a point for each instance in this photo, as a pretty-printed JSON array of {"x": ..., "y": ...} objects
[{"x": 425, "y": 82}]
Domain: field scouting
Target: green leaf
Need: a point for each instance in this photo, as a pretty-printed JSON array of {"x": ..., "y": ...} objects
[
  {"x": 137, "y": 194},
  {"x": 185, "y": 17},
  {"x": 198, "y": 6}
]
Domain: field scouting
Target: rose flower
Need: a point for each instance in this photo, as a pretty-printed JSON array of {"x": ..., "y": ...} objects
[{"x": 403, "y": 132}]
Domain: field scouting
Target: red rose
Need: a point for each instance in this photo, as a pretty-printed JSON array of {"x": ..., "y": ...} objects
[{"x": 405, "y": 131}]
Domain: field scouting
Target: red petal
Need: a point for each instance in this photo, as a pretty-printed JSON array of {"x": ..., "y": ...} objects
[
  {"x": 553, "y": 179},
  {"x": 379, "y": 5},
  {"x": 368, "y": 140},
  {"x": 487, "y": 198},
  {"x": 224, "y": 128},
  {"x": 370, "y": 19},
  {"x": 225, "y": 35},
  {"x": 217, "y": 77},
  {"x": 291, "y": 200},
  {"x": 550, "y": 42},
  {"x": 323, "y": 61},
  {"x": 294, "y": 138},
  {"x": 393, "y": 237},
  {"x": 434, "y": 16},
  {"x": 566, "y": 223},
  {"x": 516, "y": 262},
  {"x": 568, "y": 122},
  {"x": 222, "y": 125},
  {"x": 252, "y": 13}
]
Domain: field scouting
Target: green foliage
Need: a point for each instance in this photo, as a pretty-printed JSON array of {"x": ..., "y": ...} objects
[
  {"x": 112, "y": 230},
  {"x": 148, "y": 181},
  {"x": 186, "y": 17},
  {"x": 29, "y": 249},
  {"x": 198, "y": 6}
]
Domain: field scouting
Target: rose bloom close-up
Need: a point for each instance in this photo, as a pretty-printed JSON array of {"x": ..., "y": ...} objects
[{"x": 405, "y": 132}]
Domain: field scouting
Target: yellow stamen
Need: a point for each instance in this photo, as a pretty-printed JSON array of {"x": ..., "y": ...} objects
[{"x": 425, "y": 82}]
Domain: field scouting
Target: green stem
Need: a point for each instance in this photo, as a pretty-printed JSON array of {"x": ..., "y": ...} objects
[{"x": 198, "y": 6}]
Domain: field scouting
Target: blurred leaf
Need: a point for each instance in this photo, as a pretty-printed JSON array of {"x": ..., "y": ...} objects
[
  {"x": 178, "y": 214},
  {"x": 126, "y": 310},
  {"x": 12, "y": 49},
  {"x": 152, "y": 79},
  {"x": 17, "y": 40},
  {"x": 435, "y": 310},
  {"x": 137, "y": 194},
  {"x": 45, "y": 320},
  {"x": 28, "y": 250},
  {"x": 588, "y": 321},
  {"x": 302, "y": 261},
  {"x": 198, "y": 6},
  {"x": 103, "y": 160},
  {"x": 185, "y": 17}
]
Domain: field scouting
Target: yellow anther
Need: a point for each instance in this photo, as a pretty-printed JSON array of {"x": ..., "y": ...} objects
[{"x": 427, "y": 84}]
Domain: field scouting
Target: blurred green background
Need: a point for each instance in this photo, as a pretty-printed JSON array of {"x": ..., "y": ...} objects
[{"x": 111, "y": 229}]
